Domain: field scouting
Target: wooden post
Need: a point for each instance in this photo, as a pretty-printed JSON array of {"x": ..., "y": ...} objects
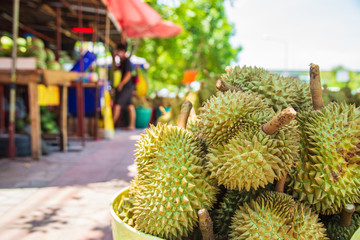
[
  {"x": 63, "y": 118},
  {"x": 58, "y": 33},
  {"x": 34, "y": 120},
  {"x": 80, "y": 110},
  {"x": 2, "y": 114},
  {"x": 11, "y": 148},
  {"x": 80, "y": 89}
]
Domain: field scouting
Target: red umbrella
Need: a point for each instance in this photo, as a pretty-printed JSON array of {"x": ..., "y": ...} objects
[
  {"x": 163, "y": 29},
  {"x": 133, "y": 14}
]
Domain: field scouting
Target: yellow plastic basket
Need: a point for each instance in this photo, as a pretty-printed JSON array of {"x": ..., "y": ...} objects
[
  {"x": 356, "y": 235},
  {"x": 120, "y": 230}
]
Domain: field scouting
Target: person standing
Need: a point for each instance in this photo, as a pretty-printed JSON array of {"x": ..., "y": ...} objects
[{"x": 124, "y": 91}]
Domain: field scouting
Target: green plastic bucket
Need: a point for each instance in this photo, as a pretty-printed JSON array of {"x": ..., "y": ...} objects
[
  {"x": 120, "y": 230},
  {"x": 143, "y": 116}
]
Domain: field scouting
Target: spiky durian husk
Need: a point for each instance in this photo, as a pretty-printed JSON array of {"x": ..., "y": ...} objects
[
  {"x": 276, "y": 216},
  {"x": 226, "y": 209},
  {"x": 223, "y": 116},
  {"x": 328, "y": 176},
  {"x": 307, "y": 225},
  {"x": 277, "y": 91},
  {"x": 253, "y": 159},
  {"x": 147, "y": 147},
  {"x": 125, "y": 210},
  {"x": 126, "y": 205},
  {"x": 267, "y": 217},
  {"x": 337, "y": 232},
  {"x": 176, "y": 186}
]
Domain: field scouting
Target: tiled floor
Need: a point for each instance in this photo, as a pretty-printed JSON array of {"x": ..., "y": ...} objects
[{"x": 65, "y": 195}]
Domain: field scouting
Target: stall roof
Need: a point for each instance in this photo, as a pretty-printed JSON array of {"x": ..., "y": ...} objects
[{"x": 39, "y": 17}]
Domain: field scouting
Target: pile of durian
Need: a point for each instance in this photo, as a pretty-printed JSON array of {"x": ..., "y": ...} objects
[{"x": 264, "y": 159}]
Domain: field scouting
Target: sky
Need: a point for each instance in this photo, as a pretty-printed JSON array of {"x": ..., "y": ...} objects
[{"x": 291, "y": 34}]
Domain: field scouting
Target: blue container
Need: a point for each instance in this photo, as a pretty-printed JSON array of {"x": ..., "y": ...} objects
[
  {"x": 88, "y": 59},
  {"x": 89, "y": 101}
]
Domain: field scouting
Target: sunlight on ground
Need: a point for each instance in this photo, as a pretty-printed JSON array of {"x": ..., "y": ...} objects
[{"x": 134, "y": 137}]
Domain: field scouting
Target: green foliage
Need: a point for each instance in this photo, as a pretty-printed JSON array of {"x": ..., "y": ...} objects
[{"x": 203, "y": 44}]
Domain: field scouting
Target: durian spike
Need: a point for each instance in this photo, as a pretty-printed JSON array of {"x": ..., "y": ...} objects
[
  {"x": 279, "y": 187},
  {"x": 315, "y": 87},
  {"x": 184, "y": 114},
  {"x": 162, "y": 110},
  {"x": 346, "y": 213},
  {"x": 206, "y": 225},
  {"x": 223, "y": 86},
  {"x": 279, "y": 121}
]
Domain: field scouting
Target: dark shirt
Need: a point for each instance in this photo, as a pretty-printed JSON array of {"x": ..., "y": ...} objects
[{"x": 125, "y": 67}]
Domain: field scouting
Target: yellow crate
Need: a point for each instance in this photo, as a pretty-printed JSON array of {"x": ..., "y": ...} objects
[{"x": 48, "y": 96}]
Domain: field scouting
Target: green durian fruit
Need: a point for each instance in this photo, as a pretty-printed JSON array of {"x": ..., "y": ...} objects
[
  {"x": 307, "y": 225},
  {"x": 241, "y": 155},
  {"x": 147, "y": 148},
  {"x": 267, "y": 217},
  {"x": 253, "y": 159},
  {"x": 226, "y": 210},
  {"x": 229, "y": 113},
  {"x": 126, "y": 205},
  {"x": 174, "y": 183},
  {"x": 328, "y": 176},
  {"x": 337, "y": 232},
  {"x": 277, "y": 91},
  {"x": 276, "y": 216}
]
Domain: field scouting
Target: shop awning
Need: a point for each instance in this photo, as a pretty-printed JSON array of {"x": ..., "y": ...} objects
[
  {"x": 138, "y": 20},
  {"x": 163, "y": 29}
]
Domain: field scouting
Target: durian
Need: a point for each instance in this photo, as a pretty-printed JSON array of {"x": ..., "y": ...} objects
[
  {"x": 174, "y": 182},
  {"x": 223, "y": 116},
  {"x": 225, "y": 211},
  {"x": 241, "y": 155},
  {"x": 275, "y": 216},
  {"x": 329, "y": 175},
  {"x": 306, "y": 224},
  {"x": 277, "y": 91},
  {"x": 267, "y": 217}
]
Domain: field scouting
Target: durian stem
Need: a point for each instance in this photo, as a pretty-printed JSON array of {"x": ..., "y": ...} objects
[
  {"x": 315, "y": 87},
  {"x": 223, "y": 86},
  {"x": 184, "y": 114},
  {"x": 280, "y": 185},
  {"x": 279, "y": 121},
  {"x": 346, "y": 213},
  {"x": 162, "y": 110},
  {"x": 205, "y": 225}
]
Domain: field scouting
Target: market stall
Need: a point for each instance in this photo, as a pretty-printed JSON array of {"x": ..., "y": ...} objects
[{"x": 59, "y": 25}]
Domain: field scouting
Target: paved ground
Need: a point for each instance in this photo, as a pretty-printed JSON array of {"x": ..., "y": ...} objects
[{"x": 65, "y": 195}]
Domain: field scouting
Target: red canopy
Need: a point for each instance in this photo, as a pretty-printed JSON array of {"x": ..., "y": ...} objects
[
  {"x": 163, "y": 29},
  {"x": 133, "y": 14},
  {"x": 139, "y": 20}
]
